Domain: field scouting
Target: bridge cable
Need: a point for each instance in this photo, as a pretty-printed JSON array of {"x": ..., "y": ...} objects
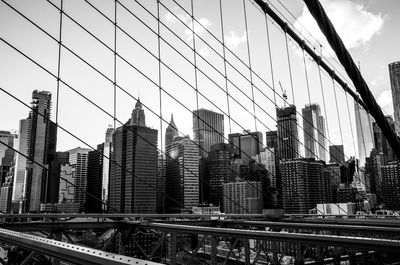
[
  {"x": 290, "y": 68},
  {"x": 270, "y": 58},
  {"x": 337, "y": 110},
  {"x": 59, "y": 60}
]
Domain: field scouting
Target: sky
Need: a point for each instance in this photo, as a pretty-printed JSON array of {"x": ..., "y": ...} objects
[{"x": 368, "y": 27}]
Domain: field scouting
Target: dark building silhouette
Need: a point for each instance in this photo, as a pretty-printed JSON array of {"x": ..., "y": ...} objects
[
  {"x": 394, "y": 73},
  {"x": 61, "y": 158},
  {"x": 314, "y": 132},
  {"x": 391, "y": 186},
  {"x": 6, "y": 154},
  {"x": 161, "y": 183},
  {"x": 305, "y": 183},
  {"x": 245, "y": 146},
  {"x": 132, "y": 181},
  {"x": 219, "y": 168},
  {"x": 41, "y": 148},
  {"x": 208, "y": 129},
  {"x": 288, "y": 143},
  {"x": 336, "y": 154},
  {"x": 94, "y": 180},
  {"x": 271, "y": 138}
]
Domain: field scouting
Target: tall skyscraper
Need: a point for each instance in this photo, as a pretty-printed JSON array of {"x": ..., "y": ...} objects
[
  {"x": 380, "y": 142},
  {"x": 336, "y": 154},
  {"x": 106, "y": 167},
  {"x": 18, "y": 193},
  {"x": 161, "y": 183},
  {"x": 288, "y": 143},
  {"x": 245, "y": 146},
  {"x": 171, "y": 132},
  {"x": 394, "y": 72},
  {"x": 269, "y": 159},
  {"x": 94, "y": 188},
  {"x": 78, "y": 159},
  {"x": 53, "y": 183},
  {"x": 38, "y": 137},
  {"x": 219, "y": 168},
  {"x": 208, "y": 129},
  {"x": 314, "y": 132},
  {"x": 365, "y": 141},
  {"x": 134, "y": 173},
  {"x": 182, "y": 182}
]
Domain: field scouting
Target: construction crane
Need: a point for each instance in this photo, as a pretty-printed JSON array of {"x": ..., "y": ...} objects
[{"x": 284, "y": 95}]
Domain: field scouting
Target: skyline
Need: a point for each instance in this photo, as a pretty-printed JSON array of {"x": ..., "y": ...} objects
[{"x": 87, "y": 83}]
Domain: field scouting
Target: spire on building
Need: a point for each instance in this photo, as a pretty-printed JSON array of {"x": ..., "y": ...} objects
[
  {"x": 171, "y": 132},
  {"x": 138, "y": 117}
]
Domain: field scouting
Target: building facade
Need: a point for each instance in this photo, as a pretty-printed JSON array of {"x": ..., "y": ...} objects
[
  {"x": 244, "y": 197},
  {"x": 245, "y": 146},
  {"x": 394, "y": 73},
  {"x": 134, "y": 170},
  {"x": 208, "y": 129},
  {"x": 182, "y": 175},
  {"x": 336, "y": 154},
  {"x": 314, "y": 132},
  {"x": 391, "y": 186},
  {"x": 288, "y": 137}
]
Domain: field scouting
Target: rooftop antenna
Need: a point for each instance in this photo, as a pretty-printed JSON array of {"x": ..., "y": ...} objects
[{"x": 284, "y": 95}]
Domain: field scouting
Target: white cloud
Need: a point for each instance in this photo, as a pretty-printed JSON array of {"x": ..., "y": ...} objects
[
  {"x": 385, "y": 101},
  {"x": 233, "y": 39},
  {"x": 355, "y": 25},
  {"x": 200, "y": 27}
]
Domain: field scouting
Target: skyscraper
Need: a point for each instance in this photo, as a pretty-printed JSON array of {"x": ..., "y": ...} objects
[
  {"x": 305, "y": 183},
  {"x": 288, "y": 143},
  {"x": 314, "y": 132},
  {"x": 94, "y": 189},
  {"x": 219, "y": 168},
  {"x": 380, "y": 142},
  {"x": 41, "y": 148},
  {"x": 208, "y": 129},
  {"x": 336, "y": 153},
  {"x": 182, "y": 182},
  {"x": 171, "y": 132},
  {"x": 18, "y": 193},
  {"x": 244, "y": 197},
  {"x": 391, "y": 185},
  {"x": 245, "y": 146},
  {"x": 6, "y": 154},
  {"x": 394, "y": 72},
  {"x": 78, "y": 159},
  {"x": 133, "y": 175},
  {"x": 365, "y": 141},
  {"x": 106, "y": 167}
]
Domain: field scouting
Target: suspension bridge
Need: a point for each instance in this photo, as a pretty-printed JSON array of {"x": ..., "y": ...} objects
[{"x": 246, "y": 61}]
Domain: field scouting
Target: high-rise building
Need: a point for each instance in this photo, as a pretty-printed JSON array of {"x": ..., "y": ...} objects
[
  {"x": 314, "y": 132},
  {"x": 6, "y": 192},
  {"x": 244, "y": 197},
  {"x": 394, "y": 72},
  {"x": 245, "y": 146},
  {"x": 272, "y": 139},
  {"x": 391, "y": 186},
  {"x": 288, "y": 138},
  {"x": 78, "y": 159},
  {"x": 182, "y": 181},
  {"x": 305, "y": 183},
  {"x": 270, "y": 161},
  {"x": 18, "y": 193},
  {"x": 67, "y": 184},
  {"x": 106, "y": 167},
  {"x": 133, "y": 175},
  {"x": 219, "y": 168},
  {"x": 94, "y": 199},
  {"x": 6, "y": 154},
  {"x": 171, "y": 132},
  {"x": 208, "y": 129},
  {"x": 53, "y": 183},
  {"x": 373, "y": 172},
  {"x": 336, "y": 154},
  {"x": 365, "y": 141},
  {"x": 380, "y": 142},
  {"x": 38, "y": 137}
]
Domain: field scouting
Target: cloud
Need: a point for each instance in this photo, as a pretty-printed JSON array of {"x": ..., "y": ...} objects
[
  {"x": 355, "y": 25},
  {"x": 233, "y": 39},
  {"x": 385, "y": 101}
]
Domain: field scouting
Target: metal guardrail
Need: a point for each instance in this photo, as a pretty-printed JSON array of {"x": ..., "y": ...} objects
[{"x": 68, "y": 252}]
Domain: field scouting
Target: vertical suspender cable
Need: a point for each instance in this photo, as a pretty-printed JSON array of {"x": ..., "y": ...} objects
[
  {"x": 290, "y": 68},
  {"x": 270, "y": 58},
  {"x": 59, "y": 61},
  {"x": 225, "y": 69},
  {"x": 115, "y": 63},
  {"x": 337, "y": 110},
  {"x": 249, "y": 56},
  {"x": 306, "y": 74},
  {"x": 351, "y": 125},
  {"x": 323, "y": 101}
]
